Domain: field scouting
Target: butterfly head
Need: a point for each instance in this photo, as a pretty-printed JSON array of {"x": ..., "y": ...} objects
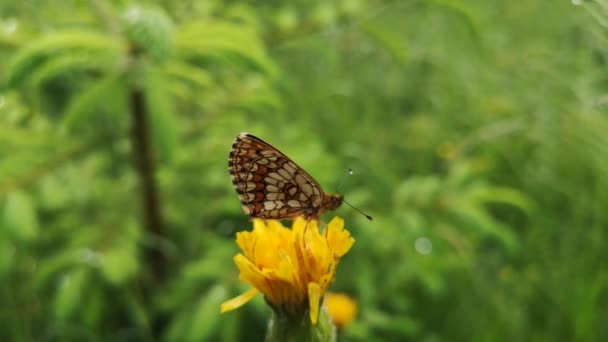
[{"x": 334, "y": 201}]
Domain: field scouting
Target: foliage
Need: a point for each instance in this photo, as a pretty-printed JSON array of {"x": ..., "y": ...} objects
[{"x": 476, "y": 130}]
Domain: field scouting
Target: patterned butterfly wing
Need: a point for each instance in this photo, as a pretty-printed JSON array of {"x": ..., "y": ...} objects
[{"x": 272, "y": 186}]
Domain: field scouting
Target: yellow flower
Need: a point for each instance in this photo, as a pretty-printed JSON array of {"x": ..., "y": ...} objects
[
  {"x": 341, "y": 307},
  {"x": 292, "y": 268}
]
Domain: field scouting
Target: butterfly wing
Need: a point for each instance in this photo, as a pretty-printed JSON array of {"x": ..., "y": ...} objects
[{"x": 269, "y": 184}]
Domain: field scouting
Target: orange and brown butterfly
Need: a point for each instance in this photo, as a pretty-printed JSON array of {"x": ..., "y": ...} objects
[{"x": 272, "y": 186}]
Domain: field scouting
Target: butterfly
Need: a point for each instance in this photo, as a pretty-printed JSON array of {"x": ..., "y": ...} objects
[{"x": 272, "y": 186}]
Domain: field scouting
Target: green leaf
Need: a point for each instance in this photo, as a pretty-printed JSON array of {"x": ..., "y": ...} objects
[
  {"x": 7, "y": 257},
  {"x": 53, "y": 53},
  {"x": 137, "y": 310},
  {"x": 52, "y": 266},
  {"x": 404, "y": 326},
  {"x": 204, "y": 269},
  {"x": 206, "y": 315},
  {"x": 119, "y": 264},
  {"x": 20, "y": 216},
  {"x": 235, "y": 44},
  {"x": 393, "y": 43},
  {"x": 89, "y": 101},
  {"x": 63, "y": 64},
  {"x": 193, "y": 76},
  {"x": 69, "y": 295},
  {"x": 179, "y": 326},
  {"x": 458, "y": 8},
  {"x": 258, "y": 95},
  {"x": 478, "y": 219},
  {"x": 419, "y": 190},
  {"x": 230, "y": 328},
  {"x": 505, "y": 195}
]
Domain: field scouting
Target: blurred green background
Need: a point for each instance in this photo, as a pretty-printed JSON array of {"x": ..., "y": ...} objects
[{"x": 477, "y": 132}]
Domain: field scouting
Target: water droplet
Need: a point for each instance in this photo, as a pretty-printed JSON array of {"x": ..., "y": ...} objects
[
  {"x": 90, "y": 257},
  {"x": 10, "y": 26},
  {"x": 423, "y": 245}
]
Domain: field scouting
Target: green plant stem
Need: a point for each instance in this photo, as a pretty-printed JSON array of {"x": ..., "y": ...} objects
[
  {"x": 282, "y": 328},
  {"x": 144, "y": 161}
]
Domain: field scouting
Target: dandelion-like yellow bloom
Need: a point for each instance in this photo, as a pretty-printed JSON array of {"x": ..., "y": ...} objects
[
  {"x": 341, "y": 308},
  {"x": 292, "y": 267}
]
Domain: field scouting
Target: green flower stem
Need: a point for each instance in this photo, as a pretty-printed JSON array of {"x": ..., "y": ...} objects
[{"x": 283, "y": 328}]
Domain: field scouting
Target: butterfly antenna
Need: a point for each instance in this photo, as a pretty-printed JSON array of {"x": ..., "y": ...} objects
[
  {"x": 360, "y": 212},
  {"x": 350, "y": 173}
]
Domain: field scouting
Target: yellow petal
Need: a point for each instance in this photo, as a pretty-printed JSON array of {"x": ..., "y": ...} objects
[
  {"x": 259, "y": 225},
  {"x": 238, "y": 301},
  {"x": 314, "y": 296},
  {"x": 339, "y": 239},
  {"x": 246, "y": 241},
  {"x": 275, "y": 226},
  {"x": 341, "y": 307},
  {"x": 250, "y": 273},
  {"x": 298, "y": 224}
]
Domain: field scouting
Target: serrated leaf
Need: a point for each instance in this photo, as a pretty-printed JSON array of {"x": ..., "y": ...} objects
[
  {"x": 193, "y": 76},
  {"x": 260, "y": 98},
  {"x": 87, "y": 103},
  {"x": 228, "y": 42},
  {"x": 33, "y": 56},
  {"x": 63, "y": 63}
]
